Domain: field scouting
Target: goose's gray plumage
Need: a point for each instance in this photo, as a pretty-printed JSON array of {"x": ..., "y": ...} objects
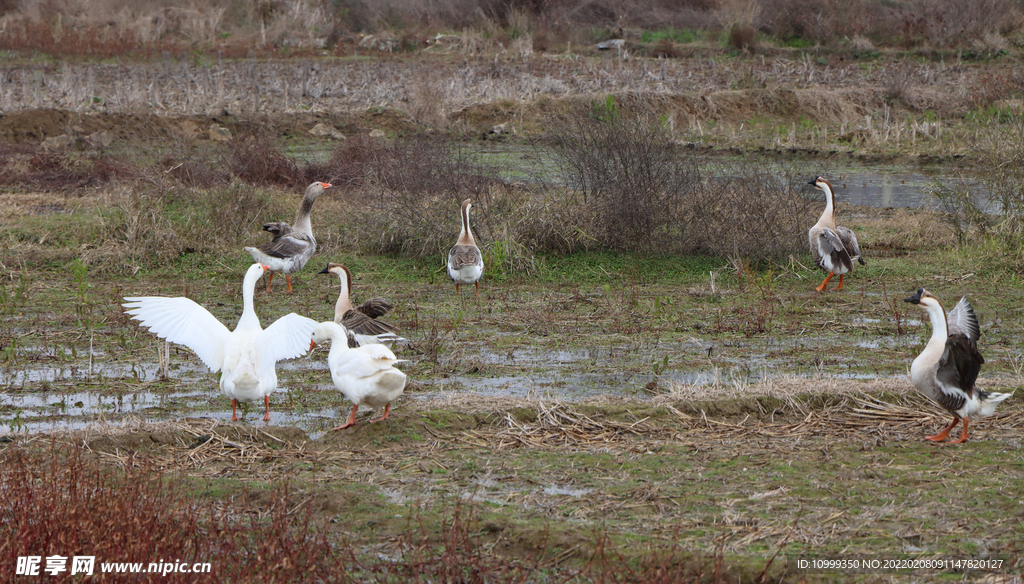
[
  {"x": 948, "y": 367},
  {"x": 465, "y": 264},
  {"x": 833, "y": 247},
  {"x": 292, "y": 245},
  {"x": 361, "y": 322}
]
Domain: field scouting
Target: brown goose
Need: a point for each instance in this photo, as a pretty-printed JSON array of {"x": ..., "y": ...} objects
[
  {"x": 946, "y": 370},
  {"x": 465, "y": 264},
  {"x": 834, "y": 248},
  {"x": 292, "y": 245},
  {"x": 361, "y": 322}
]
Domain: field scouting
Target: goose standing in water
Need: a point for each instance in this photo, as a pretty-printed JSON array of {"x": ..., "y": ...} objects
[
  {"x": 292, "y": 245},
  {"x": 834, "y": 248},
  {"x": 365, "y": 375},
  {"x": 948, "y": 367},
  {"x": 465, "y": 264},
  {"x": 246, "y": 357},
  {"x": 361, "y": 321}
]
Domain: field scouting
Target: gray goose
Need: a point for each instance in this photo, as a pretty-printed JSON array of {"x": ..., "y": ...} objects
[
  {"x": 292, "y": 245},
  {"x": 361, "y": 322},
  {"x": 948, "y": 367},
  {"x": 834, "y": 248},
  {"x": 465, "y": 264}
]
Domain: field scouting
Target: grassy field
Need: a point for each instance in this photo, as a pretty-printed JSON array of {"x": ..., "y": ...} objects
[
  {"x": 648, "y": 388},
  {"x": 611, "y": 410}
]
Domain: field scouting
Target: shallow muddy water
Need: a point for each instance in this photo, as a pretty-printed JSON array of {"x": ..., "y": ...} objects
[{"x": 45, "y": 398}]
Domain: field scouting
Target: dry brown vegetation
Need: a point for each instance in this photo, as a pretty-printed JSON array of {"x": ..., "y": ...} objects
[
  {"x": 631, "y": 188},
  {"x": 251, "y": 27}
]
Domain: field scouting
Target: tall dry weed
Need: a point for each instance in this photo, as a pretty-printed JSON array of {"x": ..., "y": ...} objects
[{"x": 642, "y": 193}]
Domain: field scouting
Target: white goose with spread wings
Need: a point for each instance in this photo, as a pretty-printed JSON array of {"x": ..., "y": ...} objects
[
  {"x": 948, "y": 367},
  {"x": 834, "y": 248},
  {"x": 292, "y": 245},
  {"x": 361, "y": 322},
  {"x": 465, "y": 264},
  {"x": 365, "y": 375},
  {"x": 246, "y": 357}
]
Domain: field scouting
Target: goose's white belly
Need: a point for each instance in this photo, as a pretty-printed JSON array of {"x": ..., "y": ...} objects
[
  {"x": 243, "y": 376},
  {"x": 467, "y": 274}
]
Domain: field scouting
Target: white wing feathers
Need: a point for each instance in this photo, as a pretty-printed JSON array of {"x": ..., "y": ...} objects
[
  {"x": 183, "y": 322},
  {"x": 287, "y": 338},
  {"x": 962, "y": 319}
]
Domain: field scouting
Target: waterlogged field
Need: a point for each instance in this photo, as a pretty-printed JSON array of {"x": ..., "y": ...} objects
[
  {"x": 611, "y": 409},
  {"x": 592, "y": 416}
]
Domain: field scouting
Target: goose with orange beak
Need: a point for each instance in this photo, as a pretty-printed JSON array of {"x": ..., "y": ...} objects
[
  {"x": 292, "y": 245},
  {"x": 366, "y": 375},
  {"x": 246, "y": 357}
]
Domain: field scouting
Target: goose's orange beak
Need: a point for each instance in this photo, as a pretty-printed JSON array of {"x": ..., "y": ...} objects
[
  {"x": 266, "y": 268},
  {"x": 326, "y": 185},
  {"x": 312, "y": 344}
]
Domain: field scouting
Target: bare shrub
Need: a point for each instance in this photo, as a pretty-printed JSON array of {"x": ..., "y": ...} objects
[
  {"x": 34, "y": 168},
  {"x": 640, "y": 193},
  {"x": 194, "y": 171},
  {"x": 665, "y": 49},
  {"x": 414, "y": 184},
  {"x": 627, "y": 174},
  {"x": 134, "y": 230},
  {"x": 233, "y": 213},
  {"x": 426, "y": 101},
  {"x": 742, "y": 36},
  {"x": 747, "y": 208},
  {"x": 256, "y": 160},
  {"x": 352, "y": 157}
]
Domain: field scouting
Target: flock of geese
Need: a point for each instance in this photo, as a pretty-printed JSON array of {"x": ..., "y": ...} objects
[
  {"x": 362, "y": 364},
  {"x": 360, "y": 360}
]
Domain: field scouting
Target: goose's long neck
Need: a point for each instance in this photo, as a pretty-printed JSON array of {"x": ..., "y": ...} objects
[
  {"x": 344, "y": 304},
  {"x": 249, "y": 317},
  {"x": 466, "y": 236},
  {"x": 302, "y": 217},
  {"x": 939, "y": 328},
  {"x": 339, "y": 341},
  {"x": 828, "y": 215}
]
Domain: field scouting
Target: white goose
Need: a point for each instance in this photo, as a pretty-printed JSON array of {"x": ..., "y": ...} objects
[
  {"x": 361, "y": 321},
  {"x": 948, "y": 367},
  {"x": 465, "y": 264},
  {"x": 292, "y": 245},
  {"x": 834, "y": 248},
  {"x": 246, "y": 357},
  {"x": 365, "y": 375}
]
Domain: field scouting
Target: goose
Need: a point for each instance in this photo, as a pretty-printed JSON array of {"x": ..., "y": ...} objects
[
  {"x": 465, "y": 264},
  {"x": 365, "y": 375},
  {"x": 361, "y": 322},
  {"x": 946, "y": 370},
  {"x": 246, "y": 357},
  {"x": 834, "y": 248},
  {"x": 292, "y": 245}
]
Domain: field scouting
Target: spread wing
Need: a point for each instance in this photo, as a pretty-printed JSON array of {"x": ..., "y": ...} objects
[
  {"x": 287, "y": 338},
  {"x": 963, "y": 320},
  {"x": 463, "y": 255},
  {"x": 183, "y": 322},
  {"x": 958, "y": 369},
  {"x": 358, "y": 322},
  {"x": 830, "y": 251},
  {"x": 375, "y": 307},
  {"x": 285, "y": 246}
]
